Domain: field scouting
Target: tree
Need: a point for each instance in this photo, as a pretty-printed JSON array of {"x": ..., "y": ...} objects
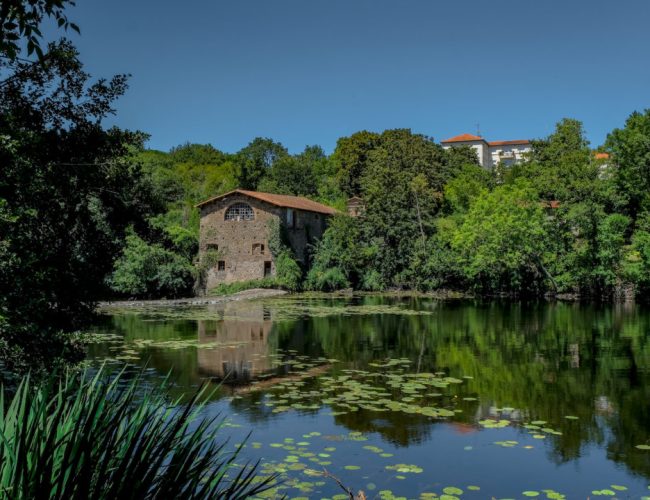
[
  {"x": 468, "y": 183},
  {"x": 68, "y": 191},
  {"x": 352, "y": 157},
  {"x": 399, "y": 210},
  {"x": 637, "y": 258},
  {"x": 294, "y": 174},
  {"x": 198, "y": 154},
  {"x": 20, "y": 23},
  {"x": 460, "y": 157},
  {"x": 560, "y": 167},
  {"x": 149, "y": 270},
  {"x": 630, "y": 148},
  {"x": 501, "y": 242},
  {"x": 340, "y": 257},
  {"x": 255, "y": 160}
]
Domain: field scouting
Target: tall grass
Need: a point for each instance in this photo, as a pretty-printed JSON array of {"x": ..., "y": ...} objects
[{"x": 90, "y": 437}]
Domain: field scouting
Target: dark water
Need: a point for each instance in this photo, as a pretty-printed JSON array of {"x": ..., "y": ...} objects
[{"x": 411, "y": 397}]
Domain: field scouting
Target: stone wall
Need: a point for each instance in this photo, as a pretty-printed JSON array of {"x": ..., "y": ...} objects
[{"x": 242, "y": 246}]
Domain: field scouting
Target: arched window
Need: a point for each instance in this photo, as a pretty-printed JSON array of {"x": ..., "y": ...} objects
[{"x": 240, "y": 211}]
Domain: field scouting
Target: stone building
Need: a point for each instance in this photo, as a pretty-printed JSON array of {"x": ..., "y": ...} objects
[
  {"x": 235, "y": 230},
  {"x": 356, "y": 207},
  {"x": 491, "y": 154}
]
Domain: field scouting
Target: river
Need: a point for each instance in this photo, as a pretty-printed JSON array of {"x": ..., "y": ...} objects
[{"x": 411, "y": 397}]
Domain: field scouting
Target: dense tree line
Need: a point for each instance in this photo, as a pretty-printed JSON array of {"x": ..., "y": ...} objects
[{"x": 562, "y": 221}]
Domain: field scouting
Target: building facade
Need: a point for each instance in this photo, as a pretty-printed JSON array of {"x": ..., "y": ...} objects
[
  {"x": 235, "y": 230},
  {"x": 356, "y": 207},
  {"x": 491, "y": 154}
]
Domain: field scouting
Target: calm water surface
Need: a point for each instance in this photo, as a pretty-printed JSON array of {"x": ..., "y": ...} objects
[{"x": 412, "y": 397}]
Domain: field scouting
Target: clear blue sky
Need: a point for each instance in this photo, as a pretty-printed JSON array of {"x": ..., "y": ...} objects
[{"x": 310, "y": 71}]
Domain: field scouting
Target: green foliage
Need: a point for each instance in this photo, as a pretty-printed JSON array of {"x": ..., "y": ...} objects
[
  {"x": 20, "y": 22},
  {"x": 435, "y": 265},
  {"x": 328, "y": 280},
  {"x": 68, "y": 191},
  {"x": 396, "y": 208},
  {"x": 501, "y": 243},
  {"x": 469, "y": 182},
  {"x": 342, "y": 249},
  {"x": 240, "y": 286},
  {"x": 149, "y": 270},
  {"x": 288, "y": 274},
  {"x": 637, "y": 258},
  {"x": 458, "y": 158},
  {"x": 255, "y": 160},
  {"x": 87, "y": 437},
  {"x": 630, "y": 148},
  {"x": 372, "y": 281},
  {"x": 352, "y": 156}
]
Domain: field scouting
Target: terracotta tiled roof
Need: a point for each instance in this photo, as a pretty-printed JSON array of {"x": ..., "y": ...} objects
[
  {"x": 602, "y": 156},
  {"x": 508, "y": 143},
  {"x": 280, "y": 200},
  {"x": 464, "y": 138}
]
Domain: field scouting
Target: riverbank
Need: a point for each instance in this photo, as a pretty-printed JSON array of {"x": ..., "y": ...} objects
[{"x": 254, "y": 293}]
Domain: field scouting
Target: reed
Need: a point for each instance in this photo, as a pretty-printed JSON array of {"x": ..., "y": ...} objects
[{"x": 87, "y": 436}]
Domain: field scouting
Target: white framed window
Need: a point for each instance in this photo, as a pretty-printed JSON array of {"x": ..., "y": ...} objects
[{"x": 240, "y": 211}]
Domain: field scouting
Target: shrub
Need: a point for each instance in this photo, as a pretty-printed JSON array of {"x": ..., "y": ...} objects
[
  {"x": 288, "y": 274},
  {"x": 87, "y": 437},
  {"x": 372, "y": 281},
  {"x": 145, "y": 270},
  {"x": 326, "y": 281}
]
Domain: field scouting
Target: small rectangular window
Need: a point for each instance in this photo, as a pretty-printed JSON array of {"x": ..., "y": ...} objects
[
  {"x": 212, "y": 246},
  {"x": 267, "y": 268},
  {"x": 258, "y": 249},
  {"x": 290, "y": 218},
  {"x": 221, "y": 265}
]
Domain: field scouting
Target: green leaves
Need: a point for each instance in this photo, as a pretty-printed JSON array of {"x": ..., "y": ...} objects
[
  {"x": 90, "y": 437},
  {"x": 146, "y": 270},
  {"x": 21, "y": 20},
  {"x": 501, "y": 239}
]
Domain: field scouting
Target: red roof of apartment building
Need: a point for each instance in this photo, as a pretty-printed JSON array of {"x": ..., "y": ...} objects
[
  {"x": 509, "y": 143},
  {"x": 602, "y": 156},
  {"x": 280, "y": 200},
  {"x": 465, "y": 138},
  {"x": 474, "y": 138}
]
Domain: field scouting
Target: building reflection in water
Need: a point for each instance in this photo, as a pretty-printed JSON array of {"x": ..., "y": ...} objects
[{"x": 244, "y": 352}]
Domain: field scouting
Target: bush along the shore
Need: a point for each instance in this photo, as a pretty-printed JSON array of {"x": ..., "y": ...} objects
[{"x": 95, "y": 437}]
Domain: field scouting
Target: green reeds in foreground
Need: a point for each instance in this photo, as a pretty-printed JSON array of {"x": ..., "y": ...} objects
[{"x": 83, "y": 437}]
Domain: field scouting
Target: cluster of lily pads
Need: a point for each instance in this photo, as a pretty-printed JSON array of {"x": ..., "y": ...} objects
[
  {"x": 387, "y": 388},
  {"x": 293, "y": 308},
  {"x": 305, "y": 469},
  {"x": 124, "y": 351}
]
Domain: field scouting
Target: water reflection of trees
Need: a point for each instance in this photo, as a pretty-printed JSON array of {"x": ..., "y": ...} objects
[{"x": 546, "y": 360}]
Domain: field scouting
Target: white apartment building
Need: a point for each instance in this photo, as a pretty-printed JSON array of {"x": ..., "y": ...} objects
[{"x": 492, "y": 153}]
